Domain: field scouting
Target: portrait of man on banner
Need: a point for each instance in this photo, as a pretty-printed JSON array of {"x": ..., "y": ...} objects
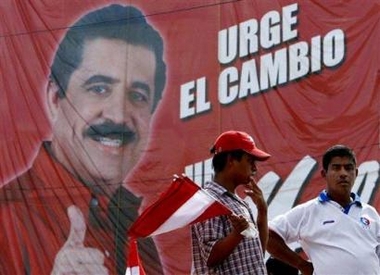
[{"x": 69, "y": 213}]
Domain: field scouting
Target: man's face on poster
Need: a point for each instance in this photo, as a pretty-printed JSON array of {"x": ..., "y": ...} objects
[{"x": 100, "y": 129}]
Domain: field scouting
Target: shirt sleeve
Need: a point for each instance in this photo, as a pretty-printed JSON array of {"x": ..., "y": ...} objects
[
  {"x": 377, "y": 223},
  {"x": 209, "y": 232},
  {"x": 289, "y": 224}
]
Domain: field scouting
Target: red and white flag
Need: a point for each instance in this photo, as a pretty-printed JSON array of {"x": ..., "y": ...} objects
[
  {"x": 134, "y": 266},
  {"x": 184, "y": 203}
]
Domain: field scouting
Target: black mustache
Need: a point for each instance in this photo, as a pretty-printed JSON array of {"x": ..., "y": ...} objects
[{"x": 108, "y": 129}]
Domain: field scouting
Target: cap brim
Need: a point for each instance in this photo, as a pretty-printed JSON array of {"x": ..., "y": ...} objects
[{"x": 259, "y": 154}]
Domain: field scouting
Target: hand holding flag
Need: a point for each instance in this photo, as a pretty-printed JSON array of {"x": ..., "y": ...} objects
[{"x": 182, "y": 204}]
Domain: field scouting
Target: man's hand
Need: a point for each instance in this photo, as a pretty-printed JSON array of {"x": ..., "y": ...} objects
[
  {"x": 224, "y": 247},
  {"x": 239, "y": 223},
  {"x": 306, "y": 268},
  {"x": 74, "y": 257},
  {"x": 255, "y": 193}
]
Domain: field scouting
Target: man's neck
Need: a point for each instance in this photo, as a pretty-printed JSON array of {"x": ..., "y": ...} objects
[
  {"x": 225, "y": 182},
  {"x": 342, "y": 200},
  {"x": 98, "y": 186}
]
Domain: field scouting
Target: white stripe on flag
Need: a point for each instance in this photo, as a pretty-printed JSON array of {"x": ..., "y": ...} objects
[
  {"x": 187, "y": 213},
  {"x": 134, "y": 270}
]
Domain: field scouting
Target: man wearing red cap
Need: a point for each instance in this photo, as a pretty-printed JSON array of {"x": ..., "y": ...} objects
[{"x": 233, "y": 244}]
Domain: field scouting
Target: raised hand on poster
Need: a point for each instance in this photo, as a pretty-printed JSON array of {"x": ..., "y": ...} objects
[{"x": 74, "y": 257}]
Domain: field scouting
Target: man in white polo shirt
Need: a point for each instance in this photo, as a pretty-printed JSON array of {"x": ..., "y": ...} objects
[{"x": 339, "y": 233}]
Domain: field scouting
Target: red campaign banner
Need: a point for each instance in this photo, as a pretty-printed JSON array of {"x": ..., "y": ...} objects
[{"x": 79, "y": 119}]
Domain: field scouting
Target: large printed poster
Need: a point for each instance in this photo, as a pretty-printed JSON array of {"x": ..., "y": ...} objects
[{"x": 104, "y": 101}]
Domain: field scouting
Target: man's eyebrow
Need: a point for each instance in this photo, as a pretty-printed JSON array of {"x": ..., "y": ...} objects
[
  {"x": 99, "y": 78},
  {"x": 342, "y": 164},
  {"x": 141, "y": 85}
]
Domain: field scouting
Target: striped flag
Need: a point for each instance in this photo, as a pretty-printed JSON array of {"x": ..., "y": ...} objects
[
  {"x": 184, "y": 203},
  {"x": 134, "y": 264}
]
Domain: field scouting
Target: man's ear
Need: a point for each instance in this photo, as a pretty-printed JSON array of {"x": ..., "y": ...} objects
[
  {"x": 52, "y": 100},
  {"x": 323, "y": 173}
]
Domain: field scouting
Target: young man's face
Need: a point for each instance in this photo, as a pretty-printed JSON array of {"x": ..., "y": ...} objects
[
  {"x": 244, "y": 169},
  {"x": 101, "y": 128},
  {"x": 340, "y": 176}
]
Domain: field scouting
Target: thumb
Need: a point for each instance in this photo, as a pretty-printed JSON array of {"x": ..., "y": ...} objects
[{"x": 77, "y": 227}]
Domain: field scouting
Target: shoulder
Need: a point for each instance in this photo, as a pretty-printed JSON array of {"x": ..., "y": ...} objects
[
  {"x": 370, "y": 210},
  {"x": 19, "y": 187},
  {"x": 298, "y": 212},
  {"x": 214, "y": 188},
  {"x": 306, "y": 206},
  {"x": 368, "y": 206},
  {"x": 14, "y": 198}
]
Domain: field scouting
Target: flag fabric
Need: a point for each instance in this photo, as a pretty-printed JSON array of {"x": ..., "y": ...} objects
[
  {"x": 134, "y": 266},
  {"x": 184, "y": 203}
]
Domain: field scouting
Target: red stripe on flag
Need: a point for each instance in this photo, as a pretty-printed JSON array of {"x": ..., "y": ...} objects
[
  {"x": 179, "y": 192},
  {"x": 212, "y": 211},
  {"x": 134, "y": 266}
]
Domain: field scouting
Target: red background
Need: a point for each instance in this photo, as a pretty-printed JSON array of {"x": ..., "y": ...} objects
[{"x": 299, "y": 118}]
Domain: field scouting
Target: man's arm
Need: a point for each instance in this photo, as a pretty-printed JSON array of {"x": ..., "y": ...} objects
[
  {"x": 224, "y": 247},
  {"x": 262, "y": 226},
  {"x": 280, "y": 250},
  {"x": 255, "y": 193}
]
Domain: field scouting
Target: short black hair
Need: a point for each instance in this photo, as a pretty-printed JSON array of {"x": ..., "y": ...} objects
[
  {"x": 219, "y": 160},
  {"x": 277, "y": 267},
  {"x": 337, "y": 151},
  {"x": 126, "y": 23}
]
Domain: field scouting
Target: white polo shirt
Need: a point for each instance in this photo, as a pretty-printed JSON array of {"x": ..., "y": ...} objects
[{"x": 338, "y": 241}]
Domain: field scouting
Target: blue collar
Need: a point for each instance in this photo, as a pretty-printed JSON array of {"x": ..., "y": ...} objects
[{"x": 324, "y": 197}]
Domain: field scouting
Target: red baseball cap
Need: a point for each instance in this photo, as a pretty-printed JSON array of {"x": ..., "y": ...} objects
[{"x": 236, "y": 140}]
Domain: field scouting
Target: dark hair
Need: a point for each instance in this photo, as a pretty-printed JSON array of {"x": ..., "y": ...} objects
[
  {"x": 112, "y": 22},
  {"x": 219, "y": 160},
  {"x": 337, "y": 151},
  {"x": 277, "y": 267}
]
